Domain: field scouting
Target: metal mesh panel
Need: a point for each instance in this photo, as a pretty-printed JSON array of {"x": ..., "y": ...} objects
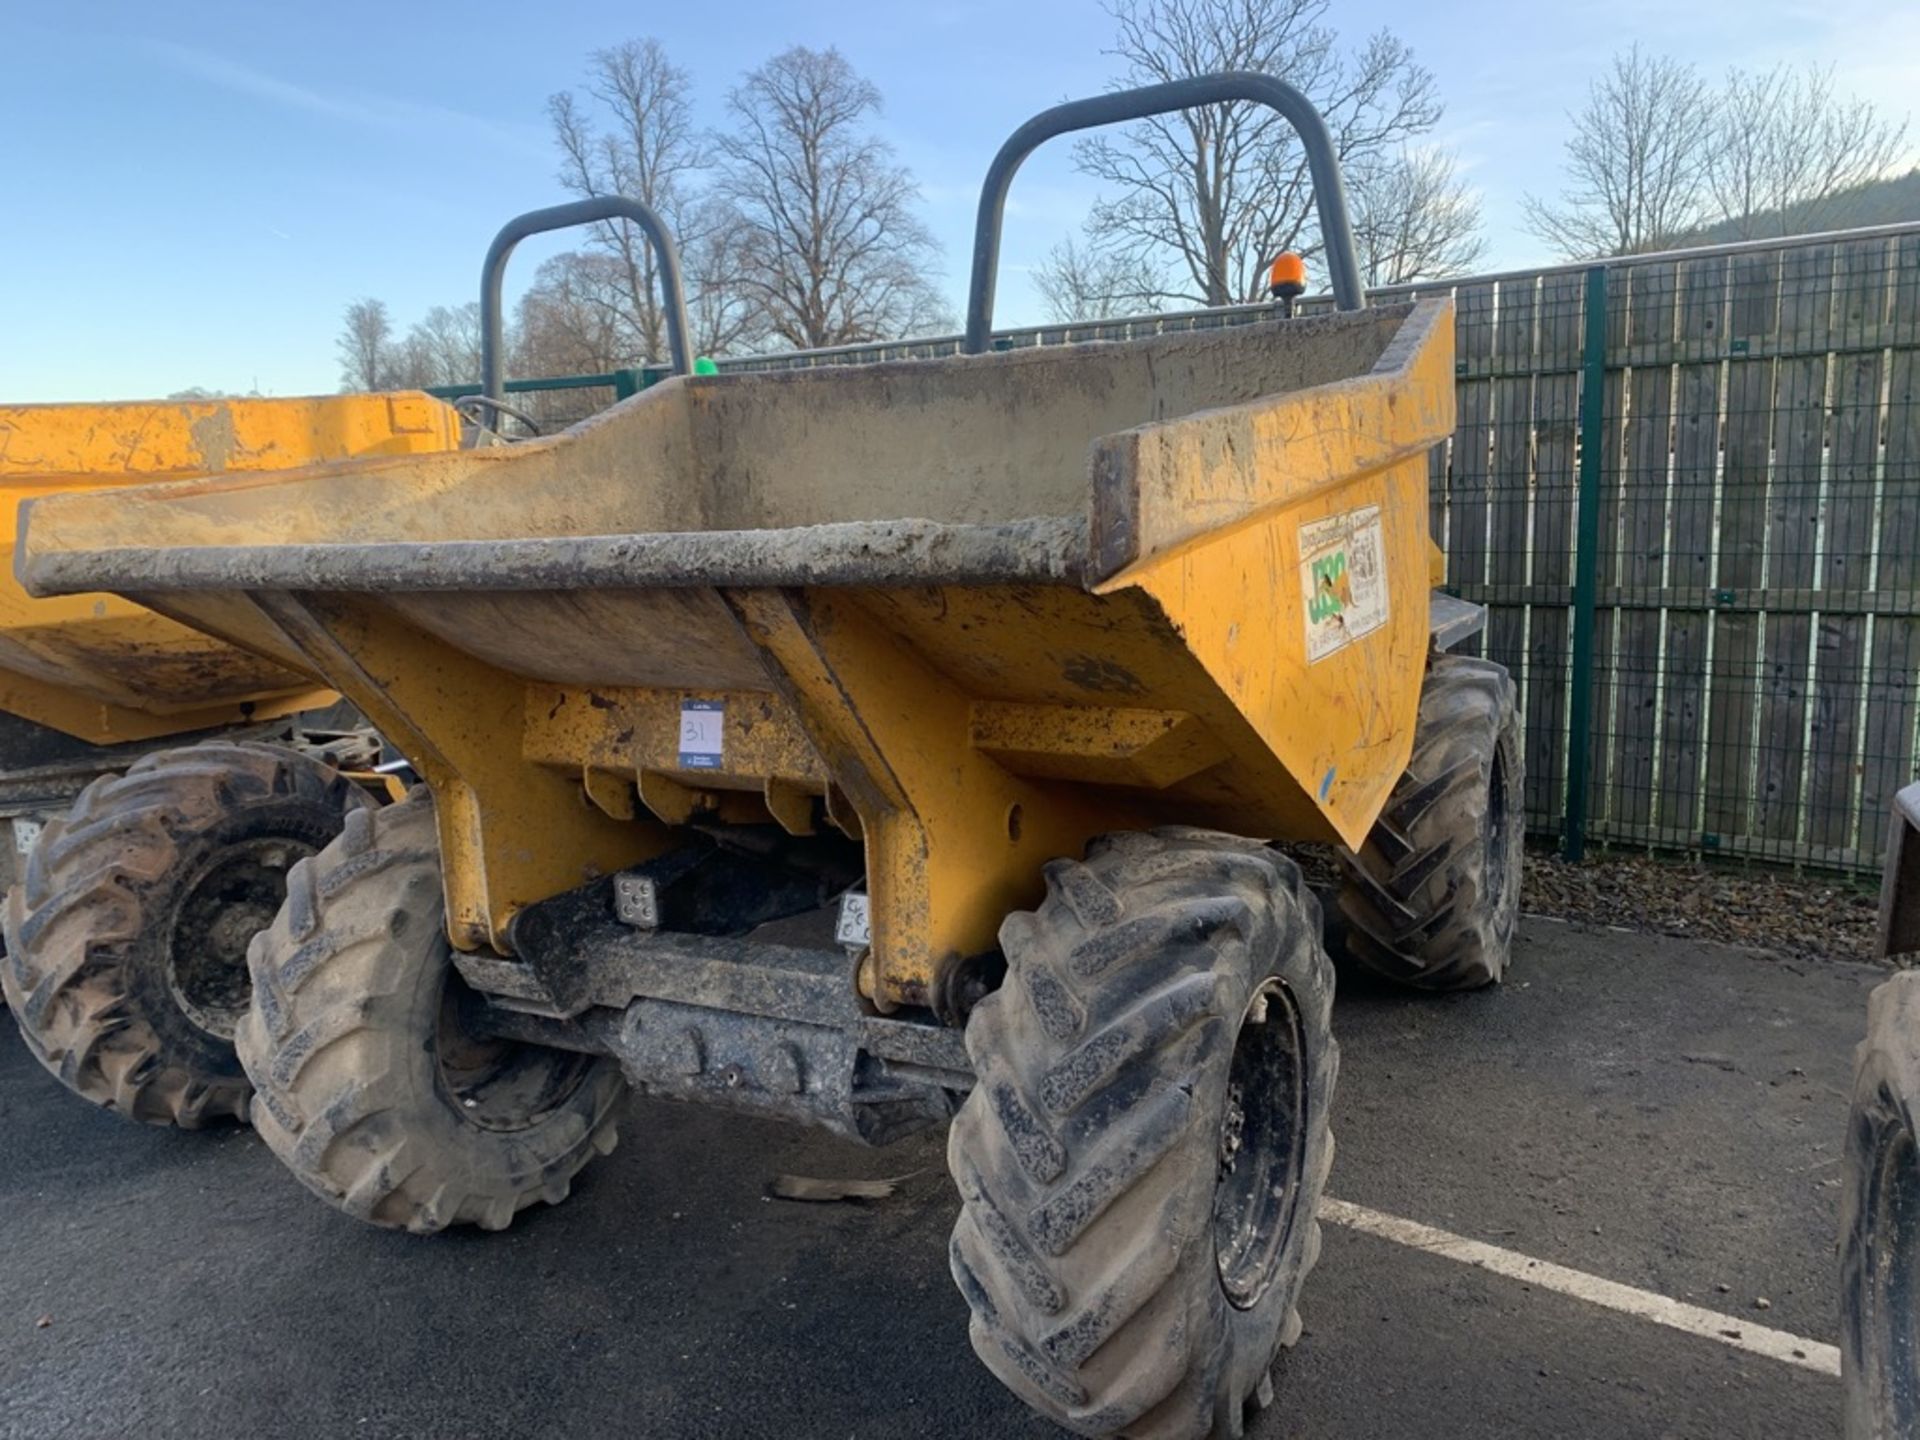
[{"x": 1754, "y": 548}]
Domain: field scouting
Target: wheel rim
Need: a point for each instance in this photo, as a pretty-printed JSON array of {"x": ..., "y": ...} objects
[
  {"x": 1263, "y": 1136},
  {"x": 1892, "y": 1320},
  {"x": 1502, "y": 841},
  {"x": 231, "y": 899},
  {"x": 495, "y": 1083}
]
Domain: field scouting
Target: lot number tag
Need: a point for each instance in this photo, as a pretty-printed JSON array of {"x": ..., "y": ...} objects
[
  {"x": 702, "y": 734},
  {"x": 854, "y": 929},
  {"x": 1343, "y": 579}
]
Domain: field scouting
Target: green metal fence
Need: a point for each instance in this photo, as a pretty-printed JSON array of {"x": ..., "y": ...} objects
[
  {"x": 1687, "y": 488},
  {"x": 560, "y": 400}
]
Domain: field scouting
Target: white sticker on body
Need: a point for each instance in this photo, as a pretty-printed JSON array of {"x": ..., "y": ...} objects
[
  {"x": 702, "y": 734},
  {"x": 1343, "y": 579},
  {"x": 855, "y": 925}
]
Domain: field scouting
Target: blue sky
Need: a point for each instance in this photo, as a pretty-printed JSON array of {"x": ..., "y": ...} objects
[{"x": 197, "y": 187}]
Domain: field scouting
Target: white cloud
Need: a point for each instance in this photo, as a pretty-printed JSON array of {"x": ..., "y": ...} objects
[{"x": 380, "y": 112}]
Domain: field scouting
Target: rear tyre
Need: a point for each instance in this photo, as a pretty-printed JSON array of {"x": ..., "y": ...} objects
[
  {"x": 1880, "y": 1223},
  {"x": 1432, "y": 897},
  {"x": 1142, "y": 1158},
  {"x": 127, "y": 935},
  {"x": 370, "y": 1085}
]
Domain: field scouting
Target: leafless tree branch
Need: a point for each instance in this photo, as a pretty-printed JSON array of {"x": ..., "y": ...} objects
[
  {"x": 1208, "y": 197},
  {"x": 364, "y": 346},
  {"x": 820, "y": 219},
  {"x": 1787, "y": 146},
  {"x": 632, "y": 135},
  {"x": 1082, "y": 283},
  {"x": 1414, "y": 218},
  {"x": 1637, "y": 161}
]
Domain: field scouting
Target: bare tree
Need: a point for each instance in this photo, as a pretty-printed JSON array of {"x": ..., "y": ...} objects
[
  {"x": 1208, "y": 197},
  {"x": 1787, "y": 146},
  {"x": 365, "y": 345},
  {"x": 726, "y": 317},
  {"x": 441, "y": 348},
  {"x": 1084, "y": 282},
  {"x": 643, "y": 146},
  {"x": 829, "y": 249},
  {"x": 580, "y": 306},
  {"x": 1415, "y": 219},
  {"x": 572, "y": 319},
  {"x": 1637, "y": 162}
]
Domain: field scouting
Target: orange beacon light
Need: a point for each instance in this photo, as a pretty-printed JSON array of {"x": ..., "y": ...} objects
[{"x": 1287, "y": 281}]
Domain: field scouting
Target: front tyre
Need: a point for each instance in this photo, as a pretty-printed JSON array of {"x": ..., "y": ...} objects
[
  {"x": 127, "y": 936},
  {"x": 1143, "y": 1154},
  {"x": 1432, "y": 896},
  {"x": 369, "y": 1083},
  {"x": 1880, "y": 1223}
]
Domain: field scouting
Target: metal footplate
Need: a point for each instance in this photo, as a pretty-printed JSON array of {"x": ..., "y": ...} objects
[
  {"x": 1900, "y": 886},
  {"x": 1452, "y": 620},
  {"x": 769, "y": 1029}
]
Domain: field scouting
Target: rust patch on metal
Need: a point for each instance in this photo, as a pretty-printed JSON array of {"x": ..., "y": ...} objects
[{"x": 1101, "y": 676}]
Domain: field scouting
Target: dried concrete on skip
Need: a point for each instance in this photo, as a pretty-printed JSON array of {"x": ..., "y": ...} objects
[
  {"x": 866, "y": 552},
  {"x": 1536, "y": 1184}
]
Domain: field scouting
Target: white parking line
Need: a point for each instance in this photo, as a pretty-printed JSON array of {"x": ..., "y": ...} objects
[{"x": 1676, "y": 1314}]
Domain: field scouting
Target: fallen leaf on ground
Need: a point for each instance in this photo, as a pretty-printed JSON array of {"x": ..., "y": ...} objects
[{"x": 807, "y": 1187}]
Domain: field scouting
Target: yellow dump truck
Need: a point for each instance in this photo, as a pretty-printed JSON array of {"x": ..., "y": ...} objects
[
  {"x": 156, "y": 784},
  {"x": 996, "y": 662}
]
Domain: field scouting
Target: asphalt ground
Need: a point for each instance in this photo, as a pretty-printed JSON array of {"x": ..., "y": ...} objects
[{"x": 1661, "y": 1113}]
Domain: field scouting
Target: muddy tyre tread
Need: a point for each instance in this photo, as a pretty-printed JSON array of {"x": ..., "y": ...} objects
[
  {"x": 334, "y": 1038},
  {"x": 1087, "y": 1152},
  {"x": 1417, "y": 900},
  {"x": 98, "y": 880},
  {"x": 1880, "y": 1220}
]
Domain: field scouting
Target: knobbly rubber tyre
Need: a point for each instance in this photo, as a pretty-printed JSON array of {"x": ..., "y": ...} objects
[
  {"x": 1093, "y": 1158},
  {"x": 1432, "y": 897},
  {"x": 1880, "y": 1223},
  {"x": 366, "y": 1083},
  {"x": 127, "y": 934}
]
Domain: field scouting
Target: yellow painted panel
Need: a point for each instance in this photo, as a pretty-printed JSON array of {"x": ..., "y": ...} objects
[
  {"x": 106, "y": 670},
  {"x": 511, "y": 833},
  {"x": 1101, "y": 745},
  {"x": 1313, "y": 507},
  {"x": 953, "y": 841},
  {"x": 1187, "y": 482},
  {"x": 46, "y": 448},
  {"x": 1342, "y": 725}
]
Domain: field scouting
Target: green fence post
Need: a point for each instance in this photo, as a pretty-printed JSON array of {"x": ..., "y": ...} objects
[
  {"x": 626, "y": 384},
  {"x": 1586, "y": 572}
]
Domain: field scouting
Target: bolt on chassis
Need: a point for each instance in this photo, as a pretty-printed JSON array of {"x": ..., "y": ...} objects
[{"x": 1004, "y": 652}]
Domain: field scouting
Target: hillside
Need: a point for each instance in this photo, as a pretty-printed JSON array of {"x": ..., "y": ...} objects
[{"x": 1881, "y": 202}]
